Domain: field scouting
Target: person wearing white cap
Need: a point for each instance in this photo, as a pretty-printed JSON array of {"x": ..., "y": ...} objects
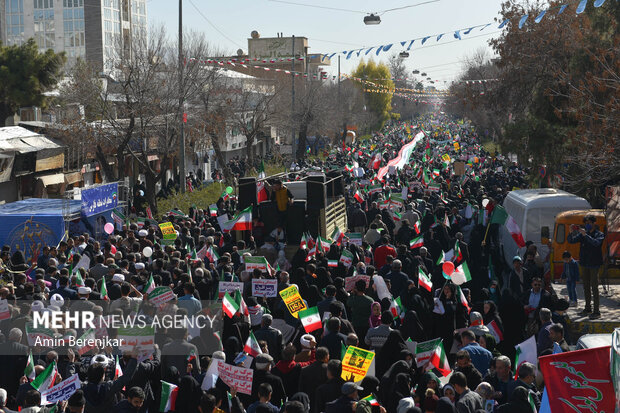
[
  {"x": 139, "y": 266},
  {"x": 57, "y": 300},
  {"x": 83, "y": 304},
  {"x": 37, "y": 305},
  {"x": 143, "y": 233}
]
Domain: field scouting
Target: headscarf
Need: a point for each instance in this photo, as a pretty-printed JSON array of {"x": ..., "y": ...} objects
[
  {"x": 412, "y": 328},
  {"x": 375, "y": 320},
  {"x": 444, "y": 405},
  {"x": 492, "y": 344},
  {"x": 390, "y": 352},
  {"x": 303, "y": 399},
  {"x": 189, "y": 395},
  {"x": 370, "y": 384}
]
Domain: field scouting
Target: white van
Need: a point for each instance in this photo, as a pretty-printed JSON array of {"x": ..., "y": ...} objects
[{"x": 535, "y": 210}]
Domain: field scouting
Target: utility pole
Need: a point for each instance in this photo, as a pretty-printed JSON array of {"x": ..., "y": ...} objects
[
  {"x": 181, "y": 105},
  {"x": 294, "y": 144}
]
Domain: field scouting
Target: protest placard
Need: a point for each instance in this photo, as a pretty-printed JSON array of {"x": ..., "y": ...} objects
[
  {"x": 142, "y": 338},
  {"x": 61, "y": 391},
  {"x": 36, "y": 336},
  {"x": 356, "y": 363},
  {"x": 237, "y": 377},
  {"x": 161, "y": 295},
  {"x": 168, "y": 232},
  {"x": 252, "y": 263},
  {"x": 349, "y": 282},
  {"x": 354, "y": 238},
  {"x": 4, "y": 310},
  {"x": 264, "y": 288},
  {"x": 229, "y": 287},
  {"x": 292, "y": 300}
]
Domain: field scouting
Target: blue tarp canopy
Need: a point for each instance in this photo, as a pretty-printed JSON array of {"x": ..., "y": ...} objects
[{"x": 30, "y": 224}]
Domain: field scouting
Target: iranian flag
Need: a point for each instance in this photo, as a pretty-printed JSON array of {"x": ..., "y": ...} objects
[
  {"x": 500, "y": 216},
  {"x": 440, "y": 361},
  {"x": 397, "y": 309},
  {"x": 403, "y": 158},
  {"x": 458, "y": 255},
  {"x": 416, "y": 242},
  {"x": 168, "y": 397},
  {"x": 212, "y": 255},
  {"x": 462, "y": 298},
  {"x": 241, "y": 222},
  {"x": 310, "y": 319},
  {"x": 495, "y": 331},
  {"x": 461, "y": 273},
  {"x": 346, "y": 258},
  {"x": 150, "y": 285},
  {"x": 175, "y": 213},
  {"x": 261, "y": 170},
  {"x": 243, "y": 308},
  {"x": 375, "y": 189},
  {"x": 526, "y": 351},
  {"x": 261, "y": 192},
  {"x": 202, "y": 252},
  {"x": 118, "y": 371},
  {"x": 358, "y": 196},
  {"x": 396, "y": 216},
  {"x": 424, "y": 281},
  {"x": 303, "y": 244},
  {"x": 79, "y": 282},
  {"x": 332, "y": 263},
  {"x": 213, "y": 210},
  {"x": 46, "y": 379},
  {"x": 372, "y": 400},
  {"x": 104, "y": 291},
  {"x": 29, "y": 370},
  {"x": 417, "y": 226},
  {"x": 442, "y": 258},
  {"x": 229, "y": 305},
  {"x": 425, "y": 350},
  {"x": 88, "y": 338},
  {"x": 251, "y": 346},
  {"x": 323, "y": 243},
  {"x": 337, "y": 236}
]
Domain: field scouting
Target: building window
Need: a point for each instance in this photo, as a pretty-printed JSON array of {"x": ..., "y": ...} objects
[
  {"x": 73, "y": 13},
  {"x": 44, "y": 28},
  {"x": 14, "y": 18}
]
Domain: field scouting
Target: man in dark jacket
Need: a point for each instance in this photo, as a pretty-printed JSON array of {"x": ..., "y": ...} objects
[
  {"x": 133, "y": 402},
  {"x": 527, "y": 377},
  {"x": 13, "y": 356},
  {"x": 332, "y": 389},
  {"x": 272, "y": 336},
  {"x": 101, "y": 395},
  {"x": 334, "y": 339},
  {"x": 263, "y": 374},
  {"x": 468, "y": 401},
  {"x": 345, "y": 402},
  {"x": 314, "y": 375},
  {"x": 463, "y": 364},
  {"x": 590, "y": 260},
  {"x": 398, "y": 279}
]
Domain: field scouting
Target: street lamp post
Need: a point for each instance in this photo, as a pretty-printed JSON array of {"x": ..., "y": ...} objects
[{"x": 181, "y": 112}]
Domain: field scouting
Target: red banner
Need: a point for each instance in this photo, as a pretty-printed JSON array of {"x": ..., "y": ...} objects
[{"x": 579, "y": 381}]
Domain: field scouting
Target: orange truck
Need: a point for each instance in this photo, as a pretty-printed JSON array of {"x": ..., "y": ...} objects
[{"x": 607, "y": 221}]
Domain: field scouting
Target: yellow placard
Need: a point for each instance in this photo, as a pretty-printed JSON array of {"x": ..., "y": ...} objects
[
  {"x": 456, "y": 146},
  {"x": 168, "y": 231},
  {"x": 356, "y": 363},
  {"x": 445, "y": 157},
  {"x": 293, "y": 301}
]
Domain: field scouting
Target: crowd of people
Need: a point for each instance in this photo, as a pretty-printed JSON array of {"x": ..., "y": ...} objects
[{"x": 294, "y": 371}]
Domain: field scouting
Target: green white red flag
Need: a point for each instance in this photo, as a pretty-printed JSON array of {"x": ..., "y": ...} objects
[
  {"x": 46, "y": 379},
  {"x": 241, "y": 222},
  {"x": 416, "y": 242},
  {"x": 372, "y": 400},
  {"x": 251, "y": 346},
  {"x": 118, "y": 371},
  {"x": 424, "y": 281},
  {"x": 310, "y": 319},
  {"x": 29, "y": 370},
  {"x": 337, "y": 236},
  {"x": 229, "y": 306},
  {"x": 500, "y": 216},
  {"x": 168, "y": 399},
  {"x": 440, "y": 361},
  {"x": 150, "y": 285}
]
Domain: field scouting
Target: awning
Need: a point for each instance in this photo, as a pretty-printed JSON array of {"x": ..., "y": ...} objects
[
  {"x": 53, "y": 179},
  {"x": 73, "y": 177}
]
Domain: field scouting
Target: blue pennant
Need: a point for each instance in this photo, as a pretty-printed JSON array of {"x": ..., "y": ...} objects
[
  {"x": 368, "y": 51},
  {"x": 378, "y": 50},
  {"x": 386, "y": 48},
  {"x": 582, "y": 6},
  {"x": 403, "y": 43},
  {"x": 332, "y": 55},
  {"x": 457, "y": 35},
  {"x": 562, "y": 9},
  {"x": 485, "y": 26},
  {"x": 425, "y": 39},
  {"x": 468, "y": 30},
  {"x": 503, "y": 24},
  {"x": 522, "y": 21},
  {"x": 358, "y": 52},
  {"x": 439, "y": 37},
  {"x": 599, "y": 3},
  {"x": 410, "y": 44},
  {"x": 540, "y": 16},
  {"x": 350, "y": 53}
]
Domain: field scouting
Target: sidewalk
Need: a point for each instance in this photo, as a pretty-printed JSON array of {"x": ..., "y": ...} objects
[{"x": 609, "y": 308}]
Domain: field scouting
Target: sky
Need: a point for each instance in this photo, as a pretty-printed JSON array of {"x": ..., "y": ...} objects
[{"x": 227, "y": 25}]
